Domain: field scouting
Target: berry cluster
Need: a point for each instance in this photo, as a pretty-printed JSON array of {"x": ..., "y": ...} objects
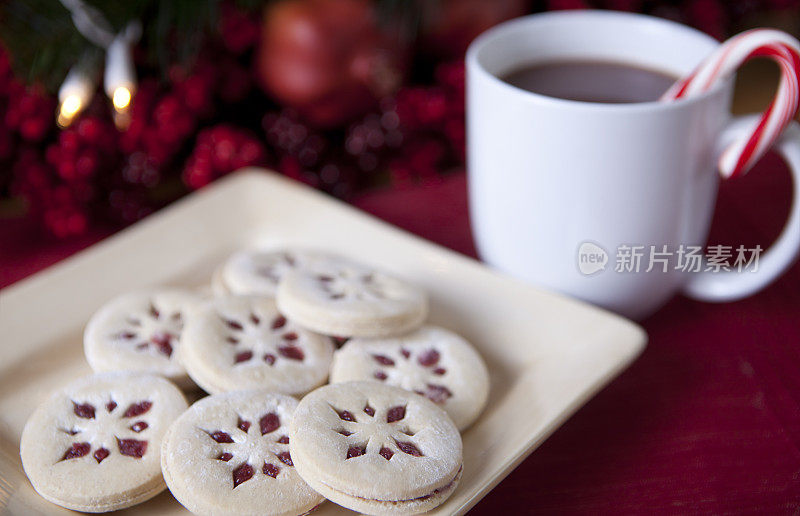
[
  {"x": 219, "y": 150},
  {"x": 431, "y": 120}
]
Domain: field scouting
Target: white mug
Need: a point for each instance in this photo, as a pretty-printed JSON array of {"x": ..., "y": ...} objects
[{"x": 555, "y": 182}]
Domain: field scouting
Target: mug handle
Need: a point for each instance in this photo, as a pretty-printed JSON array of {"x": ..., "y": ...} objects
[{"x": 732, "y": 285}]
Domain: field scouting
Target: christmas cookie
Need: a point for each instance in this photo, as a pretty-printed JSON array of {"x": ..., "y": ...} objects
[
  {"x": 218, "y": 287},
  {"x": 229, "y": 454},
  {"x": 242, "y": 342},
  {"x": 95, "y": 445},
  {"x": 341, "y": 297},
  {"x": 375, "y": 448},
  {"x": 259, "y": 272},
  {"x": 140, "y": 331},
  {"x": 430, "y": 361}
]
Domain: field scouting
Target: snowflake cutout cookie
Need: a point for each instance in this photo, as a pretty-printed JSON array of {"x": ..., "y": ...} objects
[
  {"x": 431, "y": 361},
  {"x": 258, "y": 272},
  {"x": 140, "y": 331},
  {"x": 94, "y": 445},
  {"x": 239, "y": 440},
  {"x": 342, "y": 297},
  {"x": 243, "y": 342},
  {"x": 110, "y": 424},
  {"x": 375, "y": 448}
]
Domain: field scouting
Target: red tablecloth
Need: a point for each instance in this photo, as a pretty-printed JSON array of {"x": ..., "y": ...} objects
[{"x": 707, "y": 420}]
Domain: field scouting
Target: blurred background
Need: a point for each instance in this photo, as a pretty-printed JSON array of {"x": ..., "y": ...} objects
[{"x": 110, "y": 110}]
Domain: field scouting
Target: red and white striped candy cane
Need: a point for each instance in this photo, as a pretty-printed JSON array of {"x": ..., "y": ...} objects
[{"x": 778, "y": 46}]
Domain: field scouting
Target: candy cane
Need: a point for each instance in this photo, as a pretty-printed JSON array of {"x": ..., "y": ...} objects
[{"x": 778, "y": 46}]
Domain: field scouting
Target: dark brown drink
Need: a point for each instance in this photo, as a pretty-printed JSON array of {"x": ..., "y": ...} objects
[{"x": 592, "y": 81}]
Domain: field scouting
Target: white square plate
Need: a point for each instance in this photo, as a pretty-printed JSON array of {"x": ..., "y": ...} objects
[{"x": 547, "y": 354}]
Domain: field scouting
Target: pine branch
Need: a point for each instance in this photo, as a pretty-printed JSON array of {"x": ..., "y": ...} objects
[
  {"x": 44, "y": 43},
  {"x": 41, "y": 39}
]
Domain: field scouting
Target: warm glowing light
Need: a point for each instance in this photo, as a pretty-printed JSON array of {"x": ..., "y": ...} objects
[
  {"x": 121, "y": 98},
  {"x": 71, "y": 105}
]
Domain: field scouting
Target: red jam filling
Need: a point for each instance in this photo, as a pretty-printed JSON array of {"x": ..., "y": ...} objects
[
  {"x": 406, "y": 353},
  {"x": 439, "y": 371},
  {"x": 232, "y": 340},
  {"x": 76, "y": 450},
  {"x": 386, "y": 453},
  {"x": 244, "y": 356},
  {"x": 271, "y": 470},
  {"x": 291, "y": 352},
  {"x": 163, "y": 342},
  {"x": 428, "y": 358},
  {"x": 344, "y": 415},
  {"x": 137, "y": 409},
  {"x": 436, "y": 393},
  {"x": 269, "y": 423},
  {"x": 100, "y": 454},
  {"x": 269, "y": 358},
  {"x": 383, "y": 360},
  {"x": 344, "y": 432},
  {"x": 132, "y": 447},
  {"x": 284, "y": 439},
  {"x": 380, "y": 375},
  {"x": 355, "y": 451},
  {"x": 221, "y": 437},
  {"x": 255, "y": 319},
  {"x": 409, "y": 448},
  {"x": 85, "y": 410},
  {"x": 111, "y": 405},
  {"x": 369, "y": 411},
  {"x": 395, "y": 414},
  {"x": 139, "y": 426},
  {"x": 291, "y": 336},
  {"x": 286, "y": 458},
  {"x": 234, "y": 325},
  {"x": 242, "y": 425},
  {"x": 278, "y": 322},
  {"x": 224, "y": 456},
  {"x": 242, "y": 474}
]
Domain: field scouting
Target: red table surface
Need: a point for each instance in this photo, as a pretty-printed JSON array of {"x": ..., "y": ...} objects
[{"x": 706, "y": 421}]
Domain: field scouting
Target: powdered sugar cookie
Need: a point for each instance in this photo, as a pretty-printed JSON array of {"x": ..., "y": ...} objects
[
  {"x": 430, "y": 361},
  {"x": 341, "y": 297},
  {"x": 258, "y": 272},
  {"x": 229, "y": 454},
  {"x": 218, "y": 287},
  {"x": 242, "y": 342},
  {"x": 375, "y": 448},
  {"x": 140, "y": 331},
  {"x": 95, "y": 445}
]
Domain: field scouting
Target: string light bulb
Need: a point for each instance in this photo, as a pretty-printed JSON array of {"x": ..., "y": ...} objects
[
  {"x": 75, "y": 93},
  {"x": 120, "y": 76},
  {"x": 121, "y": 98},
  {"x": 119, "y": 79}
]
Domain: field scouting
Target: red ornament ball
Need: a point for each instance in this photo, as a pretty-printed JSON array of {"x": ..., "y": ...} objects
[{"x": 327, "y": 59}]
